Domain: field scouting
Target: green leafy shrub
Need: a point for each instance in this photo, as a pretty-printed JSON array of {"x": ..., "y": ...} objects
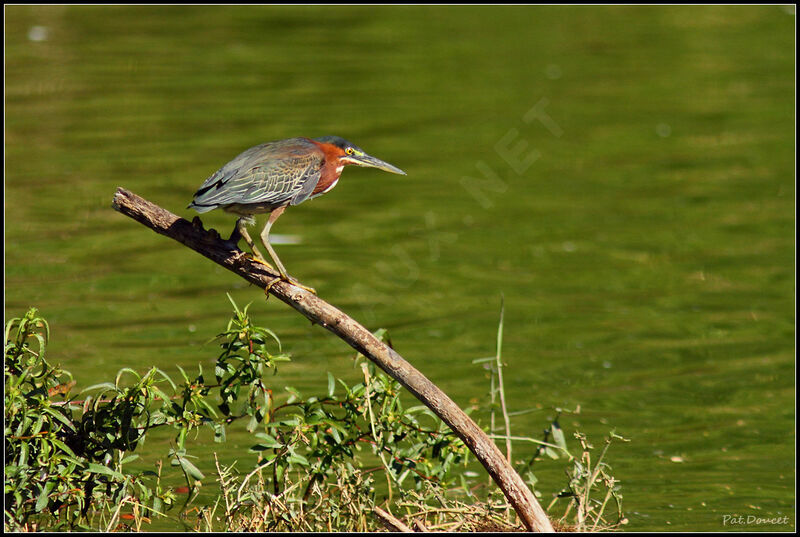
[
  {"x": 62, "y": 457},
  {"x": 318, "y": 458}
]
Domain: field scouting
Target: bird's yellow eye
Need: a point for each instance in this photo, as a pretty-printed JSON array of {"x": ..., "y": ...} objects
[{"x": 349, "y": 150}]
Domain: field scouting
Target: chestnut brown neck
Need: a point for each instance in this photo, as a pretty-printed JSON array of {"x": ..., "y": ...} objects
[{"x": 331, "y": 169}]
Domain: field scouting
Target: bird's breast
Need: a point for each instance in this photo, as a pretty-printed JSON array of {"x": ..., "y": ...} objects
[{"x": 327, "y": 180}]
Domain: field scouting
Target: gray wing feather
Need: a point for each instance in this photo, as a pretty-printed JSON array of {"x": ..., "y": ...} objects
[
  {"x": 273, "y": 173},
  {"x": 308, "y": 186}
]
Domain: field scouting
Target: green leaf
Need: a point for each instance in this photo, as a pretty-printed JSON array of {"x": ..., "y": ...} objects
[
  {"x": 336, "y": 426},
  {"x": 220, "y": 371},
  {"x": 191, "y": 469},
  {"x": 42, "y": 344},
  {"x": 9, "y": 326},
  {"x": 269, "y": 332},
  {"x": 298, "y": 459},
  {"x": 60, "y": 417},
  {"x": 252, "y": 424},
  {"x": 126, "y": 370},
  {"x": 103, "y": 385},
  {"x": 185, "y": 376},
  {"x": 289, "y": 422},
  {"x": 166, "y": 377},
  {"x": 23, "y": 454},
  {"x": 97, "y": 469},
  {"x": 37, "y": 426},
  {"x": 160, "y": 394},
  {"x": 552, "y": 453},
  {"x": 158, "y": 505},
  {"x": 268, "y": 441},
  {"x": 315, "y": 419},
  {"x": 331, "y": 385},
  {"x": 235, "y": 307},
  {"x": 63, "y": 447},
  {"x": 295, "y": 394},
  {"x": 558, "y": 437},
  {"x": 202, "y": 403},
  {"x": 219, "y": 433},
  {"x": 44, "y": 496},
  {"x": 380, "y": 333}
]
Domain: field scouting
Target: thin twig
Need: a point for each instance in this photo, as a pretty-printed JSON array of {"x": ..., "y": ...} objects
[
  {"x": 391, "y": 523},
  {"x": 499, "y": 363}
]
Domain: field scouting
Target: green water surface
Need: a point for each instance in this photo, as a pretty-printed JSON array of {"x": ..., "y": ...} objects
[{"x": 624, "y": 176}]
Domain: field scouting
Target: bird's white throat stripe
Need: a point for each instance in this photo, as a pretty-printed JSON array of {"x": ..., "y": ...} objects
[{"x": 333, "y": 184}]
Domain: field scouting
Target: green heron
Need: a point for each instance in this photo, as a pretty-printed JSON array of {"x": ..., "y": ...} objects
[{"x": 270, "y": 177}]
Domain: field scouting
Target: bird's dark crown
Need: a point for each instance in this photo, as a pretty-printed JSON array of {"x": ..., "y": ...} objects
[{"x": 338, "y": 141}]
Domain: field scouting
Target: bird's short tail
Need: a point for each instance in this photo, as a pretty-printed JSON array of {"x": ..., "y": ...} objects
[{"x": 201, "y": 208}]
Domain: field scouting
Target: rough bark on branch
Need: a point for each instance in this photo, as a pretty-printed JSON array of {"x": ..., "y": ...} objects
[{"x": 209, "y": 244}]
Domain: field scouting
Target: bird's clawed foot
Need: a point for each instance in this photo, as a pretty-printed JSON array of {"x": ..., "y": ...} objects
[
  {"x": 270, "y": 284},
  {"x": 257, "y": 259},
  {"x": 288, "y": 279},
  {"x": 300, "y": 285}
]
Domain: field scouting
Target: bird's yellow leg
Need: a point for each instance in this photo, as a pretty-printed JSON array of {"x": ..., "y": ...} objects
[
  {"x": 265, "y": 240},
  {"x": 256, "y": 256}
]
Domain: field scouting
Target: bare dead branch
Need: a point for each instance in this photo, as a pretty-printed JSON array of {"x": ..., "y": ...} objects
[{"x": 209, "y": 244}]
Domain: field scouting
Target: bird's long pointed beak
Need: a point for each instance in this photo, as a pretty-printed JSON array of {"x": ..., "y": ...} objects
[{"x": 368, "y": 161}]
